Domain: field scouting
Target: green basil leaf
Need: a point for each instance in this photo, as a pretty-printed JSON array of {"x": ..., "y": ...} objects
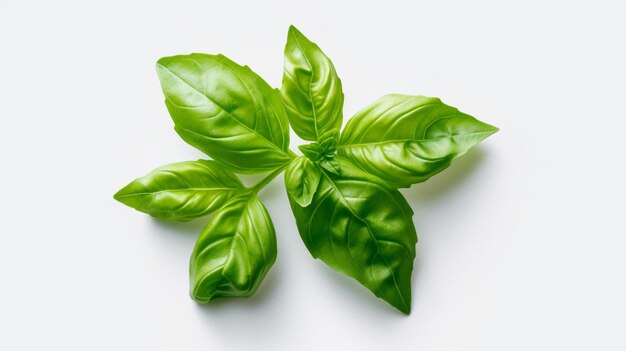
[
  {"x": 181, "y": 191},
  {"x": 361, "y": 226},
  {"x": 324, "y": 149},
  {"x": 330, "y": 165},
  {"x": 226, "y": 110},
  {"x": 301, "y": 179},
  {"x": 328, "y": 142},
  {"x": 311, "y": 88},
  {"x": 312, "y": 151},
  {"x": 234, "y": 252},
  {"x": 408, "y": 139}
]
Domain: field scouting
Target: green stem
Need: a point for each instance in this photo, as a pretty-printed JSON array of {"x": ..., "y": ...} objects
[{"x": 263, "y": 182}]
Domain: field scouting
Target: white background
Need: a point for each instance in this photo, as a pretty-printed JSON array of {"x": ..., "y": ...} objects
[{"x": 522, "y": 240}]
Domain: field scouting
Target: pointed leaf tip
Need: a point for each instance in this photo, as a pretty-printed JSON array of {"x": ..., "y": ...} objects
[{"x": 294, "y": 30}]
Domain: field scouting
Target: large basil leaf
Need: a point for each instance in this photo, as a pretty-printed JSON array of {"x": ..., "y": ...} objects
[
  {"x": 359, "y": 225},
  {"x": 311, "y": 88},
  {"x": 408, "y": 139},
  {"x": 181, "y": 191},
  {"x": 234, "y": 251},
  {"x": 301, "y": 179},
  {"x": 226, "y": 111}
]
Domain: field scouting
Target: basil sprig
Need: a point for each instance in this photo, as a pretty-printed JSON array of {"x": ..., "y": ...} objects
[{"x": 342, "y": 191}]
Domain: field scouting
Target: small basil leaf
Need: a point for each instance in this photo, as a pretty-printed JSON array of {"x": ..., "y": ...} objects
[
  {"x": 312, "y": 151},
  {"x": 181, "y": 191},
  {"x": 301, "y": 179},
  {"x": 328, "y": 143},
  {"x": 234, "y": 252},
  {"x": 329, "y": 137},
  {"x": 331, "y": 165},
  {"x": 408, "y": 139},
  {"x": 311, "y": 88},
  {"x": 226, "y": 110},
  {"x": 359, "y": 225}
]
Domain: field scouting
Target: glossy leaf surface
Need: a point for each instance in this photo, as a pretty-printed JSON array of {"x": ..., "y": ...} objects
[
  {"x": 311, "y": 88},
  {"x": 343, "y": 191},
  {"x": 301, "y": 180},
  {"x": 181, "y": 191},
  {"x": 226, "y": 110},
  {"x": 408, "y": 139},
  {"x": 234, "y": 251},
  {"x": 359, "y": 225}
]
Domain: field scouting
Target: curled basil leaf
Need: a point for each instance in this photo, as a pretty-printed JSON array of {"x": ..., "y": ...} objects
[
  {"x": 359, "y": 225},
  {"x": 234, "y": 251},
  {"x": 408, "y": 139},
  {"x": 301, "y": 179},
  {"x": 181, "y": 191},
  {"x": 311, "y": 88},
  {"x": 226, "y": 110}
]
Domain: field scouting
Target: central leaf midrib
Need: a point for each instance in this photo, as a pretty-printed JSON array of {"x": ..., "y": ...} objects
[
  {"x": 232, "y": 237},
  {"x": 350, "y": 145},
  {"x": 369, "y": 230},
  {"x": 176, "y": 190},
  {"x": 317, "y": 134}
]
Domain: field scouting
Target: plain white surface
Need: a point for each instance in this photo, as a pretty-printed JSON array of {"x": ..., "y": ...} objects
[{"x": 521, "y": 240}]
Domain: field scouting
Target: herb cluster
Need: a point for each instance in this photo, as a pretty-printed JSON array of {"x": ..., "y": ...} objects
[{"x": 343, "y": 190}]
